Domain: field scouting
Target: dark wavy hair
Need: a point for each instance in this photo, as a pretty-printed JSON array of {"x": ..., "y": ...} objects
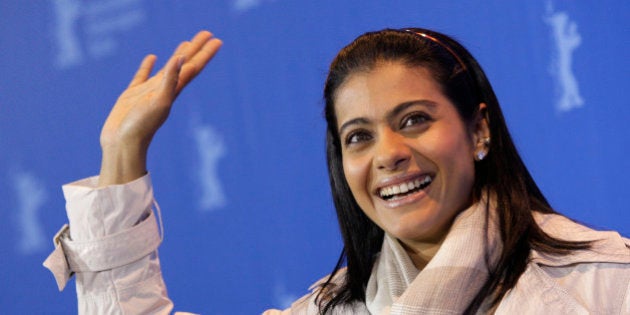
[{"x": 502, "y": 173}]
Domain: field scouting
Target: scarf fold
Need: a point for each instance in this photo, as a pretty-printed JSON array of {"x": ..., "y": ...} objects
[{"x": 449, "y": 282}]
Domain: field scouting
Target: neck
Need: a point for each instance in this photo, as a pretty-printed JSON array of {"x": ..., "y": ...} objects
[{"x": 422, "y": 252}]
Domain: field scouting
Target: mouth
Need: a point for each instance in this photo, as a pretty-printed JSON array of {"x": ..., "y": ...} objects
[{"x": 406, "y": 188}]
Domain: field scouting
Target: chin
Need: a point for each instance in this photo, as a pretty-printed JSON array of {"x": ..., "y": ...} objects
[{"x": 420, "y": 226}]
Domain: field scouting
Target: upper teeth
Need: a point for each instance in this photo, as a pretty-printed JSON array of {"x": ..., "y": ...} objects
[{"x": 404, "y": 187}]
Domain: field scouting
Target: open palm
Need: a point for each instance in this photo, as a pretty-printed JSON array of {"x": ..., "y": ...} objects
[{"x": 144, "y": 106}]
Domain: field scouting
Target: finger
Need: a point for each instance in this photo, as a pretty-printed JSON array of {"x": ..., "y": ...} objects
[
  {"x": 190, "y": 48},
  {"x": 144, "y": 71},
  {"x": 198, "y": 62},
  {"x": 170, "y": 79},
  {"x": 180, "y": 50},
  {"x": 186, "y": 74},
  {"x": 197, "y": 43},
  {"x": 203, "y": 56}
]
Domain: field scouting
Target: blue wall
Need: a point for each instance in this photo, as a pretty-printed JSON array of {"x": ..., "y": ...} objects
[{"x": 239, "y": 168}]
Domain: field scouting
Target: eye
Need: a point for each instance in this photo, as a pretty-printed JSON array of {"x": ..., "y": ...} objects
[
  {"x": 357, "y": 137},
  {"x": 414, "y": 119}
]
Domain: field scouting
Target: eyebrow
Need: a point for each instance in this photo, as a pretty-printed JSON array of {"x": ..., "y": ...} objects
[{"x": 395, "y": 112}]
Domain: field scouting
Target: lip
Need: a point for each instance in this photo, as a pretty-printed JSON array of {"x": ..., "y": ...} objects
[
  {"x": 399, "y": 179},
  {"x": 406, "y": 200}
]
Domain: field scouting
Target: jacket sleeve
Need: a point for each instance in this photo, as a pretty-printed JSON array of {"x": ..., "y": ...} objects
[{"x": 111, "y": 245}]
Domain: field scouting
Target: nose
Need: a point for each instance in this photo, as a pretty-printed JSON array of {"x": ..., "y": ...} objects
[{"x": 391, "y": 153}]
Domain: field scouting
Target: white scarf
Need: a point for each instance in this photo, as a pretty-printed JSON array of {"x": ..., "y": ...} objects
[{"x": 448, "y": 283}]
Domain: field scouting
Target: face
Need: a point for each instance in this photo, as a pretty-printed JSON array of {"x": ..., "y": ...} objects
[{"x": 407, "y": 155}]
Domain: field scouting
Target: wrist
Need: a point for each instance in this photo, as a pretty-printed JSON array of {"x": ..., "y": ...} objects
[{"x": 122, "y": 163}]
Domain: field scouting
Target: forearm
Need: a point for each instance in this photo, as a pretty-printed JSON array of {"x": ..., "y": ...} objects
[
  {"x": 136, "y": 288},
  {"x": 111, "y": 223},
  {"x": 112, "y": 248}
]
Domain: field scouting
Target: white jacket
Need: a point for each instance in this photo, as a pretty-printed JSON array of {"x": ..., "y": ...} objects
[{"x": 115, "y": 279}]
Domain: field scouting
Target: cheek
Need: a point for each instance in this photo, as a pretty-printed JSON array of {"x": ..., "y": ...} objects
[
  {"x": 356, "y": 170},
  {"x": 456, "y": 156},
  {"x": 452, "y": 152}
]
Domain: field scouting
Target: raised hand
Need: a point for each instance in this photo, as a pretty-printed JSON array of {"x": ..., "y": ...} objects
[{"x": 144, "y": 106}]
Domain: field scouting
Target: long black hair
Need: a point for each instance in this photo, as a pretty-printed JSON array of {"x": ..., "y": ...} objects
[{"x": 502, "y": 173}]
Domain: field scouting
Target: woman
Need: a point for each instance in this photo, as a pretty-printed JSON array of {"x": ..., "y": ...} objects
[{"x": 437, "y": 211}]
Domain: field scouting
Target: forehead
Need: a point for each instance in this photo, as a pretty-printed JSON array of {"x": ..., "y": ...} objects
[{"x": 375, "y": 92}]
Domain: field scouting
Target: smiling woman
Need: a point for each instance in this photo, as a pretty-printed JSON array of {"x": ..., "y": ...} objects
[
  {"x": 413, "y": 108},
  {"x": 402, "y": 130},
  {"x": 437, "y": 211}
]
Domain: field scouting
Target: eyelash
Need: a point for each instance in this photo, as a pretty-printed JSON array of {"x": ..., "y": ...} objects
[
  {"x": 351, "y": 138},
  {"x": 415, "y": 115},
  {"x": 357, "y": 133}
]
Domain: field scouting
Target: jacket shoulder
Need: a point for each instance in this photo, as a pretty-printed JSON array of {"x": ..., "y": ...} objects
[
  {"x": 594, "y": 280},
  {"x": 606, "y": 246}
]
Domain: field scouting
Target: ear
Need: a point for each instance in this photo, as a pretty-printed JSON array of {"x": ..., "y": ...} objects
[{"x": 481, "y": 133}]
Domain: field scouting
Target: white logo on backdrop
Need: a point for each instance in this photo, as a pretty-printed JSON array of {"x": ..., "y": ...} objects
[
  {"x": 210, "y": 148},
  {"x": 244, "y": 5},
  {"x": 87, "y": 29},
  {"x": 566, "y": 39},
  {"x": 30, "y": 196}
]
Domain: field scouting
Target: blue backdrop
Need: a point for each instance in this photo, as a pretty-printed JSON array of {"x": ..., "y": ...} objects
[{"x": 239, "y": 168}]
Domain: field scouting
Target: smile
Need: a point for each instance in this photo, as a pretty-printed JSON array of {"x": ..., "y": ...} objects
[{"x": 400, "y": 190}]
